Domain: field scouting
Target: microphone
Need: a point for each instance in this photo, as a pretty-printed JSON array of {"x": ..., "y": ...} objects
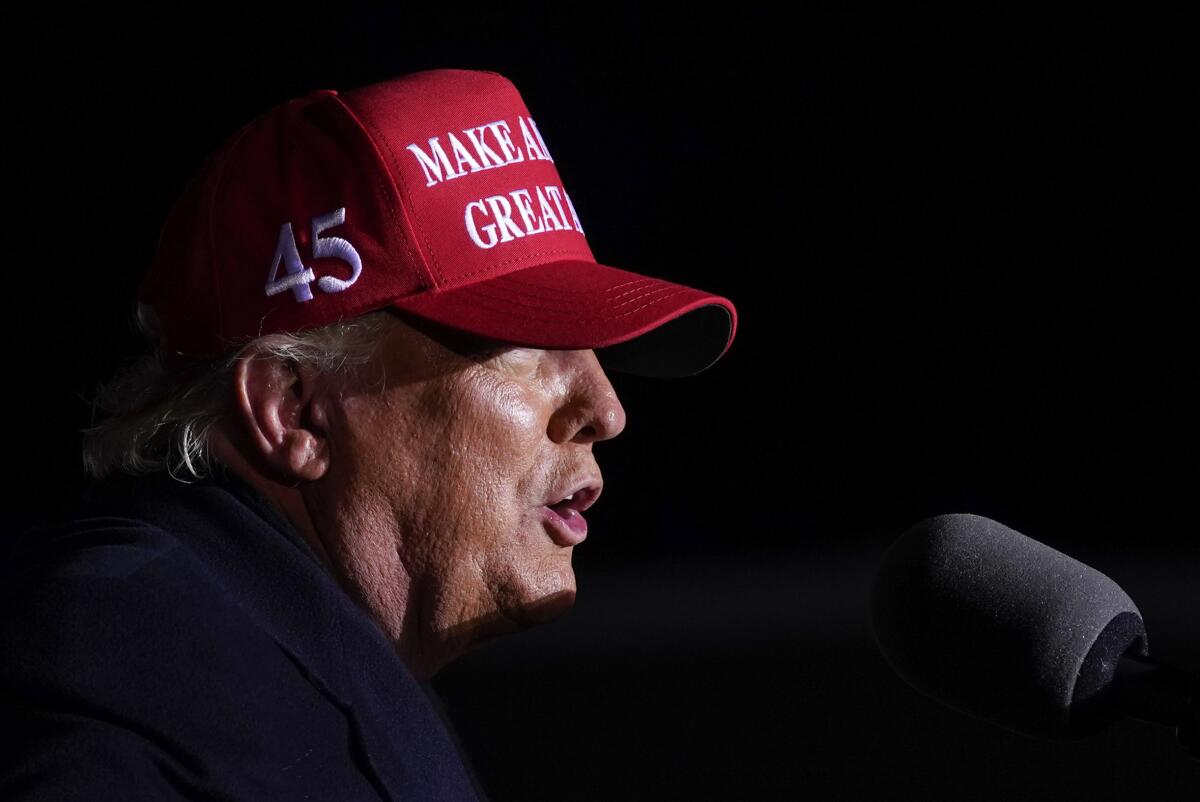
[{"x": 1006, "y": 629}]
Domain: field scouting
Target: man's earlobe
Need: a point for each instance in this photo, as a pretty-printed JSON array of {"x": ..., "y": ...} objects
[
  {"x": 307, "y": 455},
  {"x": 277, "y": 405}
]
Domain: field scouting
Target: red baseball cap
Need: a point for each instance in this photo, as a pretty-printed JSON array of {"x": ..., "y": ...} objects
[{"x": 435, "y": 193}]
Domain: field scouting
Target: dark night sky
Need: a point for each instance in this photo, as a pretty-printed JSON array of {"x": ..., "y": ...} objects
[{"x": 963, "y": 252}]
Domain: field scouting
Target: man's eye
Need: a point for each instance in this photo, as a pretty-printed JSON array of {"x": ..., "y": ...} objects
[
  {"x": 471, "y": 346},
  {"x": 515, "y": 359},
  {"x": 489, "y": 350}
]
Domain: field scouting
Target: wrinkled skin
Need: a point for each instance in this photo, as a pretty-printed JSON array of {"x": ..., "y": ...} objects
[{"x": 420, "y": 481}]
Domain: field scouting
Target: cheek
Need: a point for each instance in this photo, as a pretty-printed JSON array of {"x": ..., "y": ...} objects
[
  {"x": 498, "y": 440},
  {"x": 403, "y": 472},
  {"x": 508, "y": 467},
  {"x": 458, "y": 469},
  {"x": 514, "y": 409}
]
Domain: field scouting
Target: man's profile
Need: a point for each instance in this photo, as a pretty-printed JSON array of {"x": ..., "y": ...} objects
[{"x": 360, "y": 446}]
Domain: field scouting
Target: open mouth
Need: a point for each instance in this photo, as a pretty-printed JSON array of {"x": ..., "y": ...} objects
[
  {"x": 564, "y": 518},
  {"x": 567, "y": 526}
]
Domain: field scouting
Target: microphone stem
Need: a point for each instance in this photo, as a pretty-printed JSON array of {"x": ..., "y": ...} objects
[{"x": 1155, "y": 692}]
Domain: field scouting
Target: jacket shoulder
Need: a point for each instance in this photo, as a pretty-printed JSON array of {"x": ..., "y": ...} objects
[
  {"x": 120, "y": 646},
  {"x": 102, "y": 606},
  {"x": 101, "y": 545}
]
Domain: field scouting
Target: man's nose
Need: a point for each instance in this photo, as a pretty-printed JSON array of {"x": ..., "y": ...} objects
[{"x": 591, "y": 410}]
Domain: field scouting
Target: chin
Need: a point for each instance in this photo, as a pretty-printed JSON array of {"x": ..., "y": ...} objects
[
  {"x": 553, "y": 596},
  {"x": 532, "y": 613},
  {"x": 548, "y": 608}
]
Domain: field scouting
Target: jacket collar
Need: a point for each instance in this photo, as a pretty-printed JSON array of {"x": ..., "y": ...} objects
[
  {"x": 268, "y": 567},
  {"x": 259, "y": 558}
]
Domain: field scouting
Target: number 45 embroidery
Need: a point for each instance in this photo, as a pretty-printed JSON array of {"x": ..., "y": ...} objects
[{"x": 298, "y": 276}]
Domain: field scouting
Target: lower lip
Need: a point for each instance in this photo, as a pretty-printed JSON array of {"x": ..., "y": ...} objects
[{"x": 565, "y": 531}]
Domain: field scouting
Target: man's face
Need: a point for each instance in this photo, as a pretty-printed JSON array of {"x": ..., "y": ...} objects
[{"x": 442, "y": 460}]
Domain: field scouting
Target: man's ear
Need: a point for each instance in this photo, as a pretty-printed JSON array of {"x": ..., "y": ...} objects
[{"x": 281, "y": 417}]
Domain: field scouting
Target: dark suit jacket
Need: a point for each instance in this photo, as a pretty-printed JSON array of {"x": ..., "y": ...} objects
[{"x": 183, "y": 641}]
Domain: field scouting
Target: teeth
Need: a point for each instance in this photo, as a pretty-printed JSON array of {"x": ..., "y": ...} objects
[{"x": 568, "y": 498}]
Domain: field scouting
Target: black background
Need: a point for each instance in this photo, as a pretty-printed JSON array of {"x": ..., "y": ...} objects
[{"x": 963, "y": 252}]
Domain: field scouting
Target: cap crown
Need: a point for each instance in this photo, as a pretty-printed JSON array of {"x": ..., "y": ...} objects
[{"x": 337, "y": 203}]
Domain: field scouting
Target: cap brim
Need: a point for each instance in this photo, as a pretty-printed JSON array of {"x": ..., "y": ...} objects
[{"x": 636, "y": 324}]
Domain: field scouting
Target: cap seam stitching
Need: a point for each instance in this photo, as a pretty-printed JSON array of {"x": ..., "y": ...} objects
[
  {"x": 661, "y": 298},
  {"x": 576, "y": 318},
  {"x": 508, "y": 279},
  {"x": 404, "y": 209},
  {"x": 381, "y": 144},
  {"x": 541, "y": 296}
]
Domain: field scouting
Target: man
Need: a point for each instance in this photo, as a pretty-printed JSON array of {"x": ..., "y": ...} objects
[{"x": 362, "y": 447}]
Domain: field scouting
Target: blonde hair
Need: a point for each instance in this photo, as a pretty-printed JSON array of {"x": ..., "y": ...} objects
[{"x": 152, "y": 418}]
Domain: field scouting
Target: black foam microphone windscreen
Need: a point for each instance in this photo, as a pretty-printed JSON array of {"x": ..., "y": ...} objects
[{"x": 1000, "y": 626}]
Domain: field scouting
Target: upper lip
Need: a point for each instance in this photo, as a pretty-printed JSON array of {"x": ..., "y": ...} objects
[{"x": 584, "y": 492}]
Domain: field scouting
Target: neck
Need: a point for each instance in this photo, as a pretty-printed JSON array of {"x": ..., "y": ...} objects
[
  {"x": 287, "y": 501},
  {"x": 372, "y": 573}
]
